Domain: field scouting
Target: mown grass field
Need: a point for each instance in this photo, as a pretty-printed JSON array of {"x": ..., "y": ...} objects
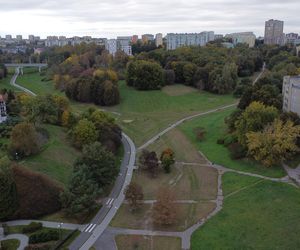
[
  {"x": 129, "y": 242},
  {"x": 257, "y": 215},
  {"x": 145, "y": 113},
  {"x": 215, "y": 128},
  {"x": 56, "y": 158}
]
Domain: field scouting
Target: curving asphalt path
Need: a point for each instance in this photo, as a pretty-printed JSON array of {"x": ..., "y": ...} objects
[{"x": 23, "y": 239}]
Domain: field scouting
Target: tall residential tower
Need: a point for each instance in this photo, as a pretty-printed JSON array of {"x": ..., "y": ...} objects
[{"x": 274, "y": 32}]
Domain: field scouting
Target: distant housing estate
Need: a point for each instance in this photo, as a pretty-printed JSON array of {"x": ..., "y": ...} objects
[
  {"x": 243, "y": 37},
  {"x": 291, "y": 94},
  {"x": 177, "y": 40}
]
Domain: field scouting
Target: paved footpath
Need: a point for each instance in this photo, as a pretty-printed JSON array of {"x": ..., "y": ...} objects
[{"x": 21, "y": 237}]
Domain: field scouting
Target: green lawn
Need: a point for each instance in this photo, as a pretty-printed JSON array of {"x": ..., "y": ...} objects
[
  {"x": 9, "y": 244},
  {"x": 5, "y": 83},
  {"x": 216, "y": 128},
  {"x": 57, "y": 157},
  {"x": 145, "y": 113},
  {"x": 262, "y": 216},
  {"x": 33, "y": 81}
]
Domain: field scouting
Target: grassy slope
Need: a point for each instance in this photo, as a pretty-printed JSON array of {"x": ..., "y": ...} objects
[
  {"x": 33, "y": 81},
  {"x": 216, "y": 128},
  {"x": 152, "y": 111},
  {"x": 57, "y": 157},
  {"x": 5, "y": 83},
  {"x": 262, "y": 216}
]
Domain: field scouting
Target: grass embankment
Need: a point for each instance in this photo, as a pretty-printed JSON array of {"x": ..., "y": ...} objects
[
  {"x": 56, "y": 158},
  {"x": 264, "y": 215},
  {"x": 215, "y": 128},
  {"x": 10, "y": 244},
  {"x": 145, "y": 113},
  {"x": 129, "y": 242},
  {"x": 32, "y": 80}
]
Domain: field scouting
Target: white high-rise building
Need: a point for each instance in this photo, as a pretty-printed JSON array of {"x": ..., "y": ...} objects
[
  {"x": 274, "y": 32},
  {"x": 175, "y": 41}
]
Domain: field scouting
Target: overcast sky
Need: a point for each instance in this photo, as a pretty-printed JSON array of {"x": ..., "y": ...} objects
[{"x": 109, "y": 18}]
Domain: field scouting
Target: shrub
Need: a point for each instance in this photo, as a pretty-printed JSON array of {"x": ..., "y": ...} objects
[
  {"x": 44, "y": 236},
  {"x": 32, "y": 227},
  {"x": 42, "y": 246},
  {"x": 229, "y": 139},
  {"x": 200, "y": 133},
  {"x": 220, "y": 141},
  {"x": 169, "y": 75},
  {"x": 38, "y": 195},
  {"x": 237, "y": 151}
]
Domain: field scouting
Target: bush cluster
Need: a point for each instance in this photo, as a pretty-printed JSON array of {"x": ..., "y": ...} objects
[{"x": 44, "y": 236}]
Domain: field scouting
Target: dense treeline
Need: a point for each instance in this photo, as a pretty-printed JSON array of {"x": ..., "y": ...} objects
[
  {"x": 259, "y": 128},
  {"x": 212, "y": 68}
]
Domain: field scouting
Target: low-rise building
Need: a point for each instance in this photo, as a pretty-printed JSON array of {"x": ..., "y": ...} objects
[
  {"x": 243, "y": 37},
  {"x": 176, "y": 40},
  {"x": 291, "y": 94},
  {"x": 3, "y": 112}
]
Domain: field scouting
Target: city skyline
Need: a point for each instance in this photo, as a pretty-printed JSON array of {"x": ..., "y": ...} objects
[{"x": 112, "y": 19}]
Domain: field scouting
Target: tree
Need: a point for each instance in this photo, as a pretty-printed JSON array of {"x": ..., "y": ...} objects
[
  {"x": 167, "y": 159},
  {"x": 8, "y": 191},
  {"x": 144, "y": 75},
  {"x": 189, "y": 71},
  {"x": 254, "y": 119},
  {"x": 111, "y": 95},
  {"x": 24, "y": 140},
  {"x": 165, "y": 210},
  {"x": 134, "y": 194},
  {"x": 84, "y": 133},
  {"x": 99, "y": 163},
  {"x": 169, "y": 75},
  {"x": 80, "y": 196},
  {"x": 277, "y": 142}
]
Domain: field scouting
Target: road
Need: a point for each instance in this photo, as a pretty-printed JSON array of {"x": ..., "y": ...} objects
[{"x": 102, "y": 219}]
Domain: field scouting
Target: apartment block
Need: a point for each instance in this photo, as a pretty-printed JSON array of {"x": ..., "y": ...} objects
[
  {"x": 176, "y": 40},
  {"x": 291, "y": 94},
  {"x": 243, "y": 37},
  {"x": 274, "y": 32}
]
